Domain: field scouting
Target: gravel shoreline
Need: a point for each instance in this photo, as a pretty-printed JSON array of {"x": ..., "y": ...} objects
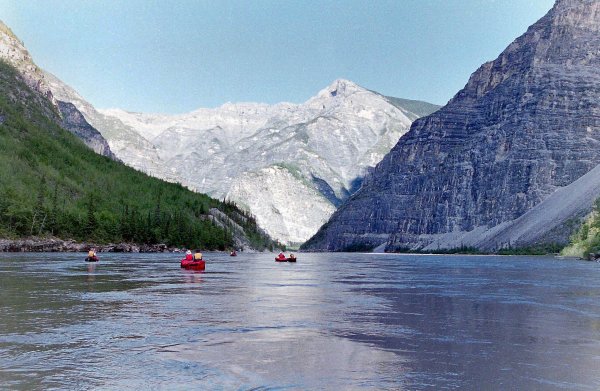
[{"x": 35, "y": 244}]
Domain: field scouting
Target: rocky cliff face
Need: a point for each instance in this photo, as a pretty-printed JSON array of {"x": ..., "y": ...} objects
[
  {"x": 289, "y": 164},
  {"x": 525, "y": 128},
  {"x": 14, "y": 52},
  {"x": 75, "y": 122}
]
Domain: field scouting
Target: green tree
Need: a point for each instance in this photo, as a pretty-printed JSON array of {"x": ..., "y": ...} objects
[{"x": 91, "y": 223}]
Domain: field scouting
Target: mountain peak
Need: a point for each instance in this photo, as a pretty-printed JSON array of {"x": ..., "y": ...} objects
[
  {"x": 526, "y": 125},
  {"x": 582, "y": 14},
  {"x": 14, "y": 52},
  {"x": 340, "y": 87},
  {"x": 12, "y": 49},
  {"x": 563, "y": 40},
  {"x": 335, "y": 94},
  {"x": 254, "y": 153},
  {"x": 4, "y": 29}
]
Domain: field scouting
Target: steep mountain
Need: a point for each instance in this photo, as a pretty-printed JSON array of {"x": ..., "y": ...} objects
[
  {"x": 320, "y": 149},
  {"x": 14, "y": 53},
  {"x": 53, "y": 184},
  {"x": 291, "y": 165},
  {"x": 75, "y": 122},
  {"x": 510, "y": 161},
  {"x": 121, "y": 136}
]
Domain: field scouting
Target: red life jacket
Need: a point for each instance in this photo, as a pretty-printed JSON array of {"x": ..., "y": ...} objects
[{"x": 189, "y": 257}]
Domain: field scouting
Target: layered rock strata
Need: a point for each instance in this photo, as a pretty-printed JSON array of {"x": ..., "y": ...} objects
[{"x": 522, "y": 131}]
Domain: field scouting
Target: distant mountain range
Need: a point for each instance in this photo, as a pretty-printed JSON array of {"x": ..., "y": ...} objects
[
  {"x": 511, "y": 161},
  {"x": 51, "y": 183},
  {"x": 289, "y": 164}
]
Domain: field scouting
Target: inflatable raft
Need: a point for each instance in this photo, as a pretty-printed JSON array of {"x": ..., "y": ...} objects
[
  {"x": 193, "y": 265},
  {"x": 292, "y": 259}
]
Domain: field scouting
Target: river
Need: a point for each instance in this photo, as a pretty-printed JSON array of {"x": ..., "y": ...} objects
[{"x": 328, "y": 322}]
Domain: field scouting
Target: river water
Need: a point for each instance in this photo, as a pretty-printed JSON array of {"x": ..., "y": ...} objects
[{"x": 328, "y": 322}]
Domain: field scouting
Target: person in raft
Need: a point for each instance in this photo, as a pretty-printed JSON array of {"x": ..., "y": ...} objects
[
  {"x": 189, "y": 256},
  {"x": 198, "y": 256},
  {"x": 92, "y": 253},
  {"x": 281, "y": 255}
]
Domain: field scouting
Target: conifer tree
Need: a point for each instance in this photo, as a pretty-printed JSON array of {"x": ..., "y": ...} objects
[{"x": 91, "y": 223}]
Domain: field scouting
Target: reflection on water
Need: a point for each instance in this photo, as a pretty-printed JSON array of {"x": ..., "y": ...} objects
[
  {"x": 331, "y": 321},
  {"x": 294, "y": 357},
  {"x": 192, "y": 276},
  {"x": 91, "y": 272}
]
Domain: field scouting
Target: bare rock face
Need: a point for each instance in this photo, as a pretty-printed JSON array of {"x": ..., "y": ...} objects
[
  {"x": 74, "y": 121},
  {"x": 525, "y": 126},
  {"x": 14, "y": 52},
  {"x": 112, "y": 130},
  {"x": 290, "y": 206}
]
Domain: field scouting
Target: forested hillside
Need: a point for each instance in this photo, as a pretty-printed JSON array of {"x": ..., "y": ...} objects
[{"x": 52, "y": 184}]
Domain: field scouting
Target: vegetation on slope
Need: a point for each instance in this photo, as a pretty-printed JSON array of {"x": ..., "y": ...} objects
[
  {"x": 52, "y": 184},
  {"x": 422, "y": 109},
  {"x": 587, "y": 239}
]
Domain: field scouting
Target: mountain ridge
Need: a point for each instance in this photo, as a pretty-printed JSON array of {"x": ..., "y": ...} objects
[
  {"x": 330, "y": 140},
  {"x": 525, "y": 125},
  {"x": 326, "y": 144},
  {"x": 53, "y": 185},
  {"x": 14, "y": 52}
]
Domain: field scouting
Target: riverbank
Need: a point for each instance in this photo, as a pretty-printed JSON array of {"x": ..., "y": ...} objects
[
  {"x": 54, "y": 245},
  {"x": 37, "y": 244}
]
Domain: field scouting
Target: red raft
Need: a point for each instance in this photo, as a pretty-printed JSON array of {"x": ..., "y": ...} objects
[
  {"x": 193, "y": 265},
  {"x": 291, "y": 259}
]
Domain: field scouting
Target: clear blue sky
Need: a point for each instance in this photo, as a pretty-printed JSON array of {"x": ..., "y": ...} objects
[{"x": 176, "y": 56}]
